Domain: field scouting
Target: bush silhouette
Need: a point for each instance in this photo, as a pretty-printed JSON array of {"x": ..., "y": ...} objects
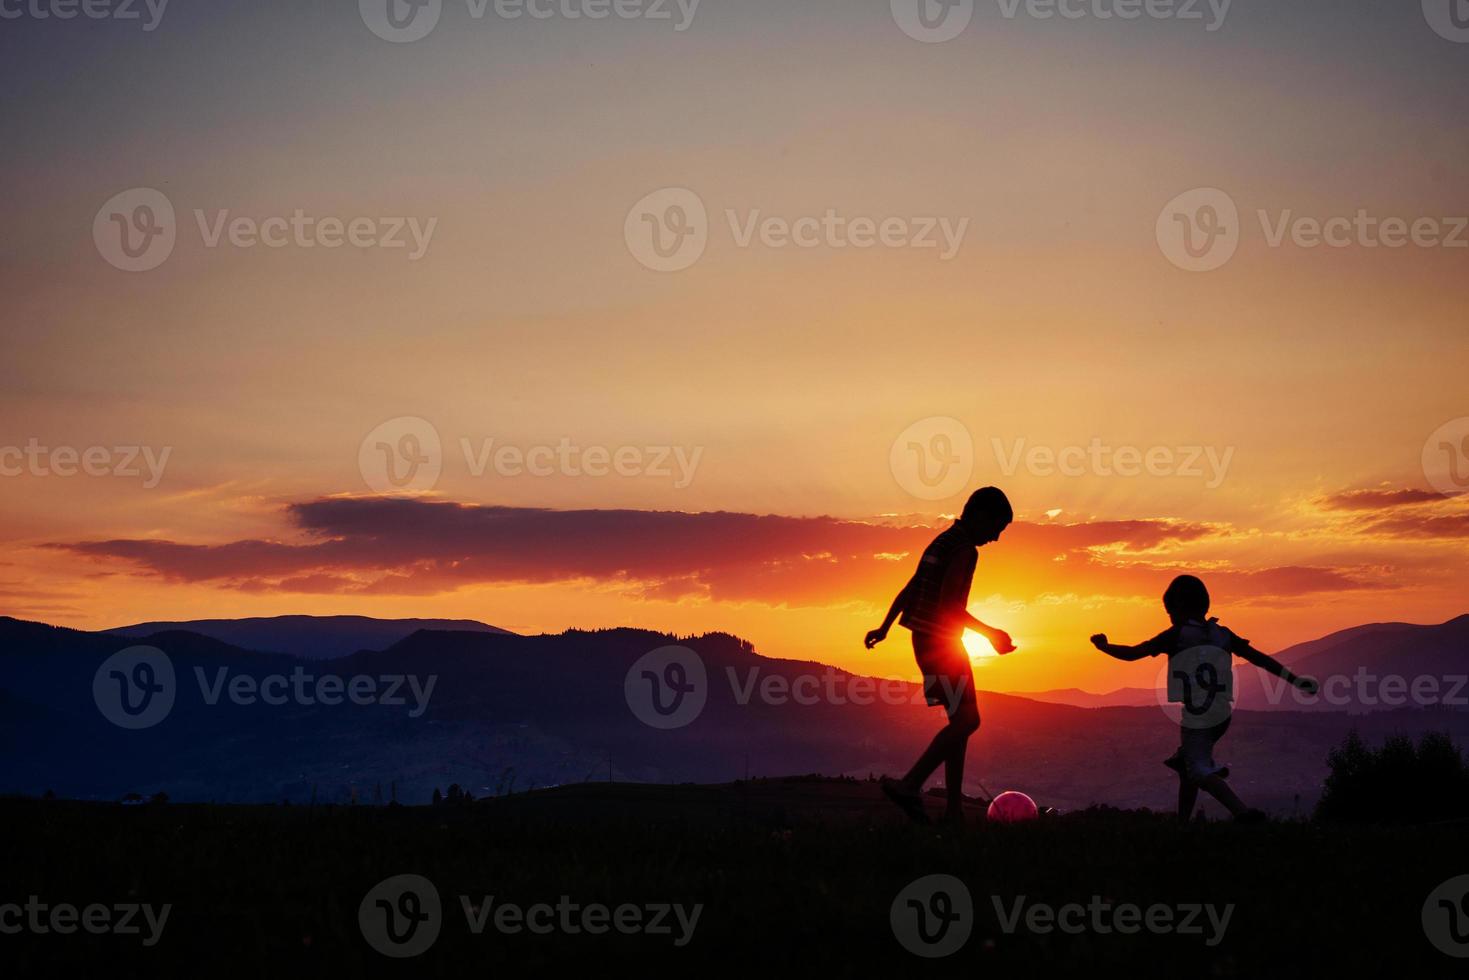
[{"x": 1400, "y": 783}]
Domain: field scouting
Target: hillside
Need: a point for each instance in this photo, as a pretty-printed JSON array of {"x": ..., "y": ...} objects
[
  {"x": 496, "y": 712},
  {"x": 787, "y": 875}
]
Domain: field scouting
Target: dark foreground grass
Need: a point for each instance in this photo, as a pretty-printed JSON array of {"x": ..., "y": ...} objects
[{"x": 791, "y": 875}]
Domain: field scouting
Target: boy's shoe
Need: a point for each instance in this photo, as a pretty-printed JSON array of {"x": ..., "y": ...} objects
[{"x": 907, "y": 800}]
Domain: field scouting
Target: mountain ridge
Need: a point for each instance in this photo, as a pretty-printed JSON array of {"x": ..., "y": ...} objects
[{"x": 313, "y": 637}]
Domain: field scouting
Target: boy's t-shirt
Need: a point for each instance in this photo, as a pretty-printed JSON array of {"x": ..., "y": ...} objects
[
  {"x": 941, "y": 585},
  {"x": 1194, "y": 633},
  {"x": 1200, "y": 673}
]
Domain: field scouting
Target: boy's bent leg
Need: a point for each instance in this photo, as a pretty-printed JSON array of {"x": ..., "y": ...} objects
[
  {"x": 954, "y": 689},
  {"x": 1219, "y": 789},
  {"x": 938, "y": 750}
]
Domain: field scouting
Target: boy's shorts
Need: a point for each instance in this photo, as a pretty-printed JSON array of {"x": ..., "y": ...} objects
[
  {"x": 948, "y": 676},
  {"x": 1196, "y": 751}
]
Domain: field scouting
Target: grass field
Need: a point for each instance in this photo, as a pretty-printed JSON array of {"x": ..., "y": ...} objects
[{"x": 786, "y": 875}]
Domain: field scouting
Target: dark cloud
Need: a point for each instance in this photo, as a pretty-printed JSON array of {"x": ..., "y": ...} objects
[
  {"x": 396, "y": 546},
  {"x": 1379, "y": 499},
  {"x": 1422, "y": 526}
]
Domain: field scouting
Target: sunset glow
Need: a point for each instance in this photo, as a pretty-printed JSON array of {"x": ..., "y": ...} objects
[{"x": 718, "y": 447}]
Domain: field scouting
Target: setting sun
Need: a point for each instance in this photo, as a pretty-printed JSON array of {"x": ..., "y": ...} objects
[{"x": 979, "y": 649}]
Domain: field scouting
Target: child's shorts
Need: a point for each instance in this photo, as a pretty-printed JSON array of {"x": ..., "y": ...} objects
[
  {"x": 1196, "y": 751},
  {"x": 948, "y": 676}
]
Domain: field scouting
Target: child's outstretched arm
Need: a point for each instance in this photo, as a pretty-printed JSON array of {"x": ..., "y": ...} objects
[
  {"x": 1121, "y": 652},
  {"x": 1270, "y": 665},
  {"x": 874, "y": 637}
]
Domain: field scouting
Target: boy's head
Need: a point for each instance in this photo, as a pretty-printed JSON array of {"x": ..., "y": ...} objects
[
  {"x": 1185, "y": 599},
  {"x": 986, "y": 514}
]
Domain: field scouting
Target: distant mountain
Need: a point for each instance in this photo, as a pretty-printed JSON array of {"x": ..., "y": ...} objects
[
  {"x": 1123, "y": 697},
  {"x": 1371, "y": 668},
  {"x": 312, "y": 637},
  {"x": 495, "y": 711}
]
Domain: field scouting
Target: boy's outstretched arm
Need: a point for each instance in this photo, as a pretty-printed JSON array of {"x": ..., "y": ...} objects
[
  {"x": 1270, "y": 665},
  {"x": 998, "y": 638},
  {"x": 955, "y": 599},
  {"x": 874, "y": 637},
  {"x": 1122, "y": 652}
]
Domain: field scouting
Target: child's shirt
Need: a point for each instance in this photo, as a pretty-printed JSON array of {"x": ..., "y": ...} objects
[
  {"x": 1200, "y": 669},
  {"x": 941, "y": 585},
  {"x": 1194, "y": 633}
]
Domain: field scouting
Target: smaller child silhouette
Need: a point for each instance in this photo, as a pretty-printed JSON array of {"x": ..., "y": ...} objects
[{"x": 1198, "y": 652}]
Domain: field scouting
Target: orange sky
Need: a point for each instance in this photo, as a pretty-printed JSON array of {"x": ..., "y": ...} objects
[{"x": 787, "y": 373}]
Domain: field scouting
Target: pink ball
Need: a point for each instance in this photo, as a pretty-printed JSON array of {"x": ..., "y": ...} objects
[{"x": 1012, "y": 807}]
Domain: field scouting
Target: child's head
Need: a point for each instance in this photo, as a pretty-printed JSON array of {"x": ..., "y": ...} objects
[
  {"x": 1185, "y": 599},
  {"x": 986, "y": 514}
]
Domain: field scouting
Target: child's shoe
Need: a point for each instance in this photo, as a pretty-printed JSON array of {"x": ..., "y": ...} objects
[{"x": 907, "y": 800}]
